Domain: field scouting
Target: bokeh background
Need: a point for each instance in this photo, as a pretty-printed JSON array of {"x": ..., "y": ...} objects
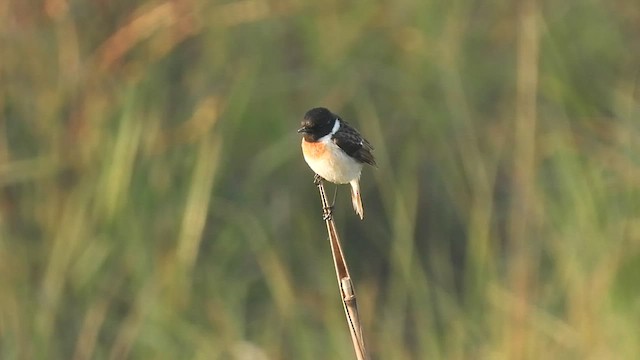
[{"x": 154, "y": 203}]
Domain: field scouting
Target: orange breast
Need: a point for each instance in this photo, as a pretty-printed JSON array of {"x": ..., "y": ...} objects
[{"x": 314, "y": 150}]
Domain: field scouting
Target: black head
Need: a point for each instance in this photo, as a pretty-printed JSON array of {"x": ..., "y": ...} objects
[{"x": 317, "y": 123}]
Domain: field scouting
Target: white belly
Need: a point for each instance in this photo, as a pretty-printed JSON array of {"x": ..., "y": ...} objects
[{"x": 334, "y": 165}]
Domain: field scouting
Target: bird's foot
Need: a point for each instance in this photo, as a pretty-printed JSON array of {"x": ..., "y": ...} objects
[
  {"x": 317, "y": 179},
  {"x": 327, "y": 213}
]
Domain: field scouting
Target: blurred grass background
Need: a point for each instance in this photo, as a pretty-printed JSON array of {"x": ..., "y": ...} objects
[{"x": 154, "y": 203}]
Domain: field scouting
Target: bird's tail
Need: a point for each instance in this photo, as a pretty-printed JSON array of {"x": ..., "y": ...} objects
[{"x": 356, "y": 200}]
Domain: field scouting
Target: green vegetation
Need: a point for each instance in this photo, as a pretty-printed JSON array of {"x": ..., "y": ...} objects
[{"x": 154, "y": 203}]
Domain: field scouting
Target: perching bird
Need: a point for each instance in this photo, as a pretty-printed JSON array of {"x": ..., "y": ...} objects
[{"x": 335, "y": 151}]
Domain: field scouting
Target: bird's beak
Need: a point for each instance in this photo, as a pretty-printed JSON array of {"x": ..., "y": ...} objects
[{"x": 303, "y": 129}]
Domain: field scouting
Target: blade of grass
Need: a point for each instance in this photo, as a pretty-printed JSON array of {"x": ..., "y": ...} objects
[{"x": 344, "y": 281}]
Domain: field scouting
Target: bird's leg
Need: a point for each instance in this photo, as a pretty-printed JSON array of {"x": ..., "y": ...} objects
[
  {"x": 328, "y": 211},
  {"x": 335, "y": 193}
]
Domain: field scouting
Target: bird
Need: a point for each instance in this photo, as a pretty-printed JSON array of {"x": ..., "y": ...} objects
[{"x": 335, "y": 151}]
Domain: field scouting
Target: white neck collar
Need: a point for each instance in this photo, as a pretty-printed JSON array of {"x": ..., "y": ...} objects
[{"x": 336, "y": 126}]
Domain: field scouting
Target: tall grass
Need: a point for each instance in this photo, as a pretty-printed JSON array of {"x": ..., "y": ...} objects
[{"x": 154, "y": 202}]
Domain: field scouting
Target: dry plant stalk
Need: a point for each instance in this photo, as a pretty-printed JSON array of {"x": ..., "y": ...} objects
[{"x": 344, "y": 279}]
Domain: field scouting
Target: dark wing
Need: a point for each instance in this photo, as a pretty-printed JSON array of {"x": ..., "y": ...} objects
[{"x": 349, "y": 140}]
